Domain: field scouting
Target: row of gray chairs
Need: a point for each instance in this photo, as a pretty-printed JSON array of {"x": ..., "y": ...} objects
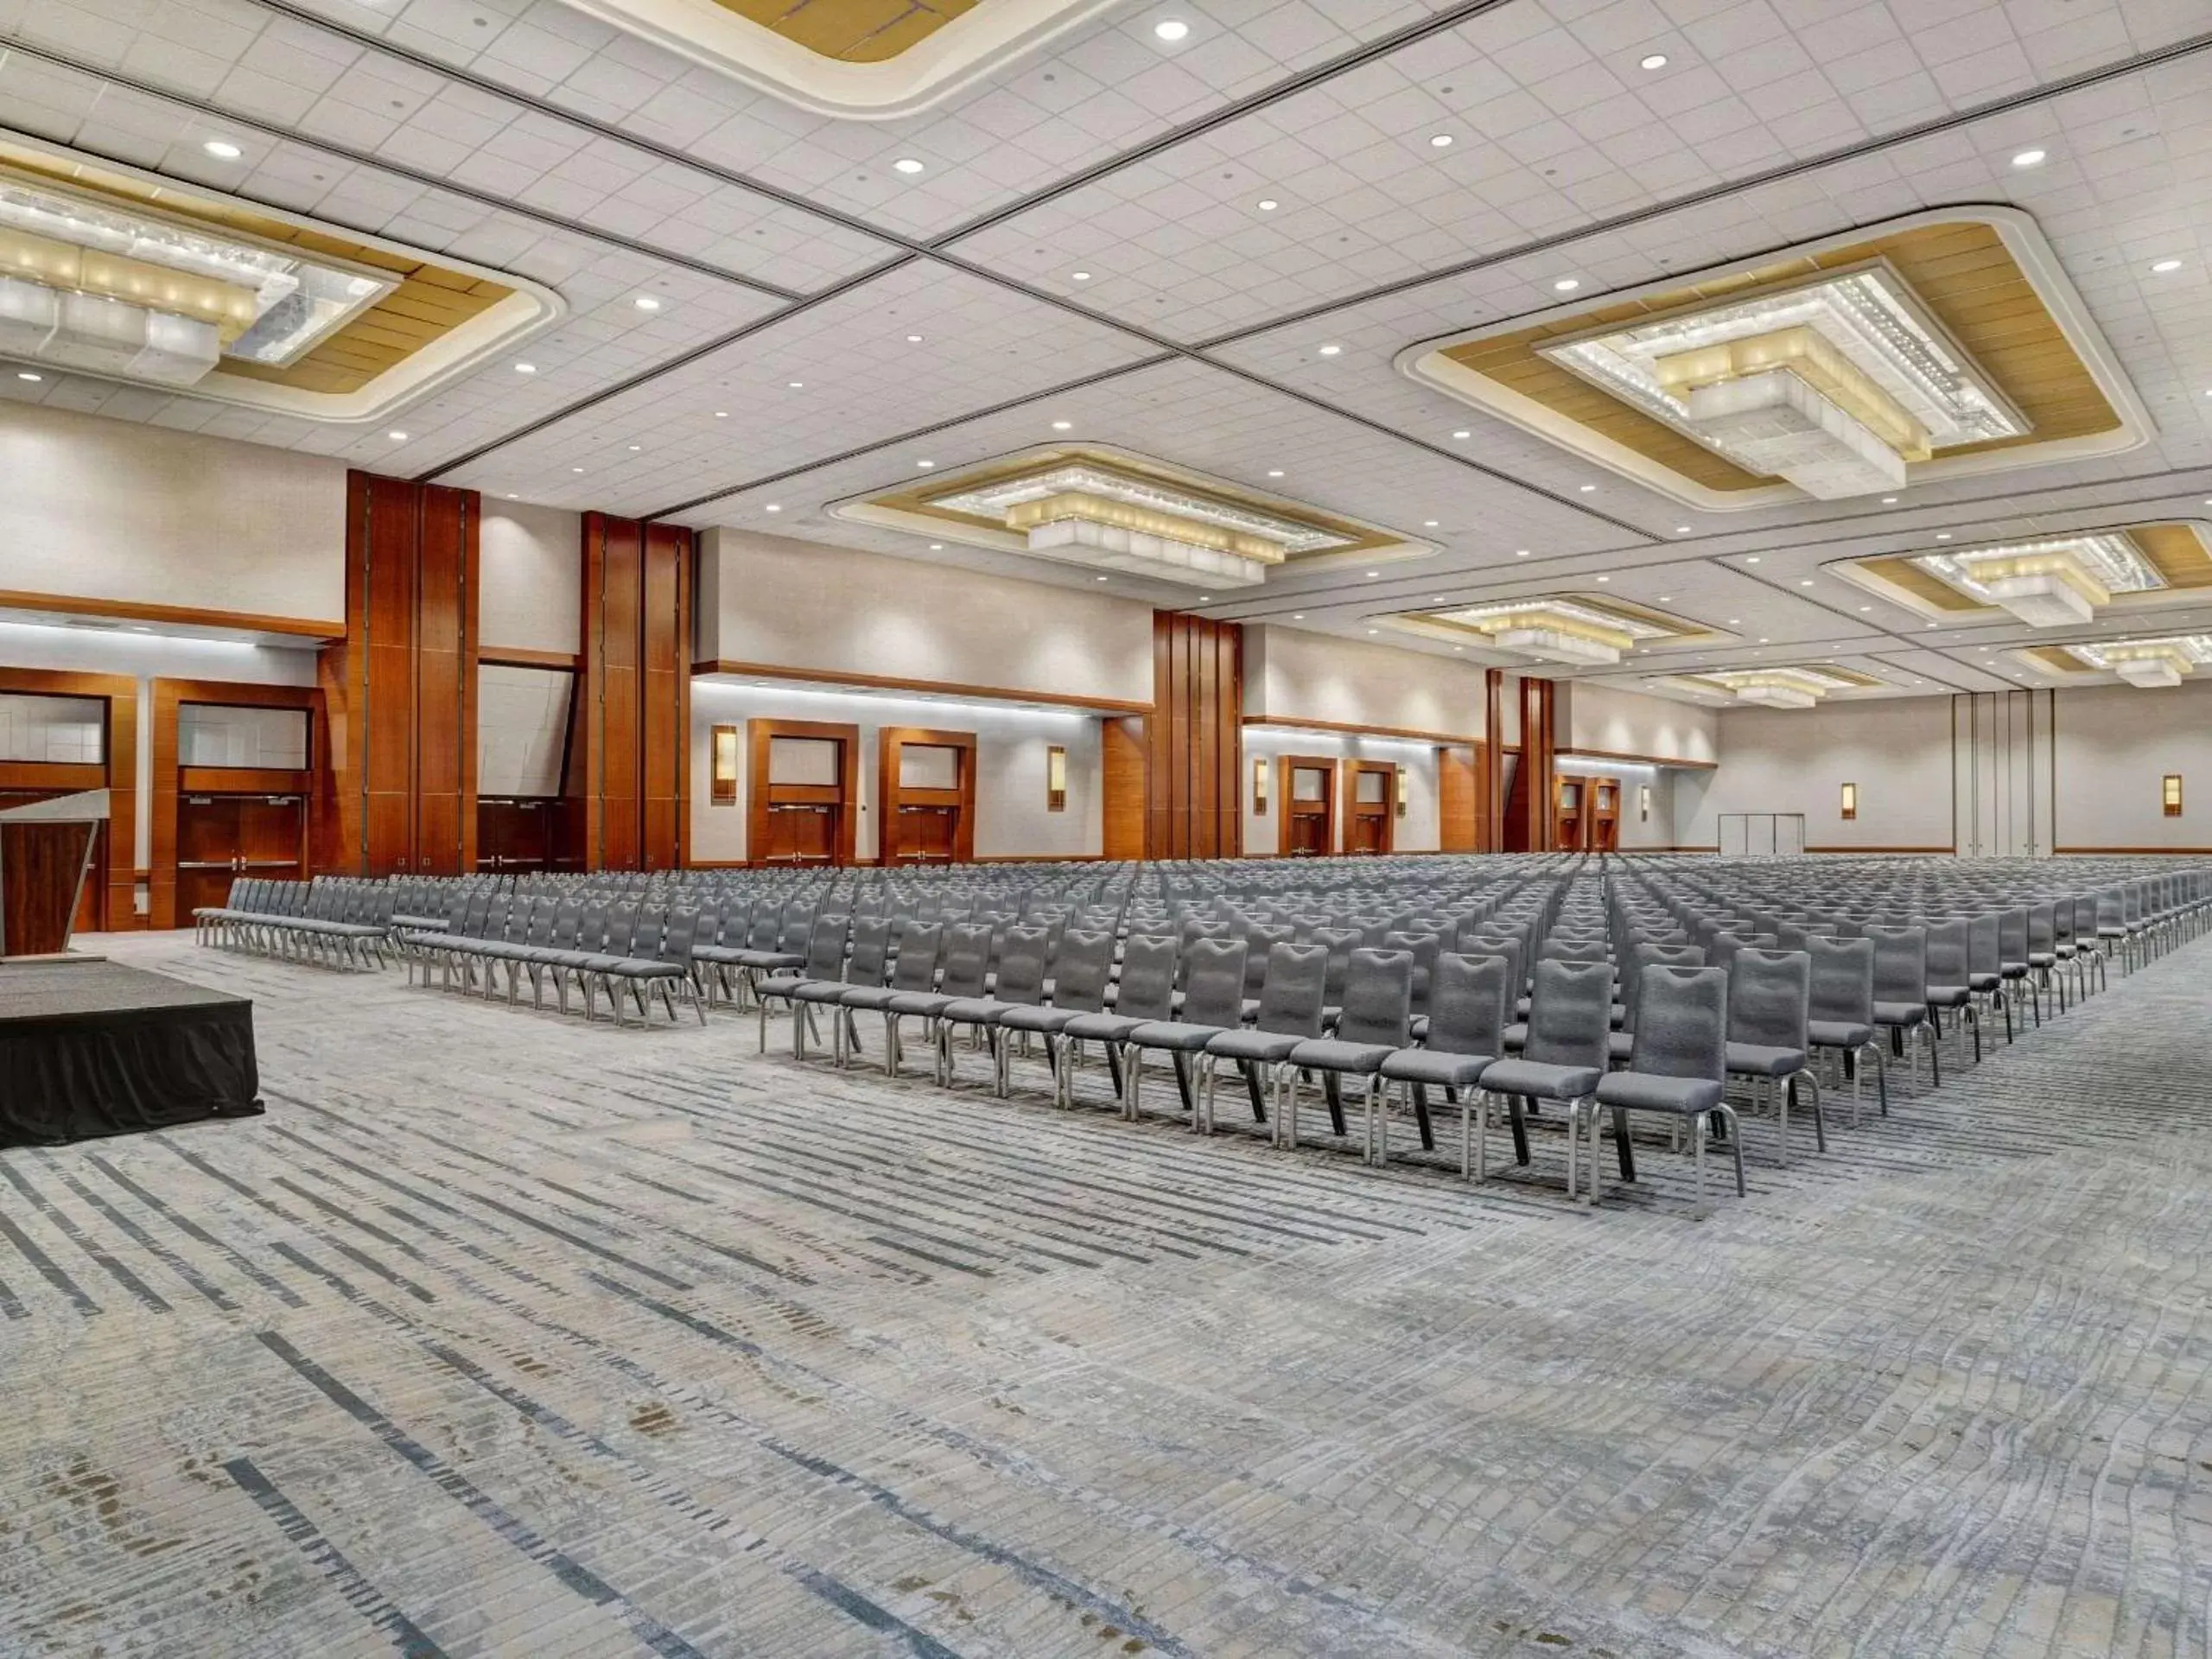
[
  {"x": 610, "y": 950},
  {"x": 331, "y": 921}
]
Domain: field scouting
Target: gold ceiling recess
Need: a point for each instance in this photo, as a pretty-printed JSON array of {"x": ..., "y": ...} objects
[
  {"x": 2149, "y": 664},
  {"x": 1111, "y": 511},
  {"x": 109, "y": 271},
  {"x": 1945, "y": 344},
  {"x": 1783, "y": 686},
  {"x": 2060, "y": 579},
  {"x": 861, "y": 60},
  {"x": 1568, "y": 630}
]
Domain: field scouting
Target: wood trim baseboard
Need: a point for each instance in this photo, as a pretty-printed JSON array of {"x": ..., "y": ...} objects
[
  {"x": 938, "y": 688},
  {"x": 189, "y": 615},
  {"x": 525, "y": 657},
  {"x": 1640, "y": 760},
  {"x": 2133, "y": 852},
  {"x": 1951, "y": 850}
]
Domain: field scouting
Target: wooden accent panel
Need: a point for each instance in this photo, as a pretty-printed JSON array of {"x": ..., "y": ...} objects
[
  {"x": 843, "y": 799},
  {"x": 41, "y": 864},
  {"x": 52, "y": 777},
  {"x": 524, "y": 657},
  {"x": 1124, "y": 768},
  {"x": 1489, "y": 765},
  {"x": 891, "y": 795},
  {"x": 115, "y": 858},
  {"x": 168, "y": 777},
  {"x": 632, "y": 768},
  {"x": 897, "y": 682},
  {"x": 190, "y": 615},
  {"x": 1459, "y": 825},
  {"x": 1528, "y": 811},
  {"x": 242, "y": 780},
  {"x": 401, "y": 688},
  {"x": 1193, "y": 801}
]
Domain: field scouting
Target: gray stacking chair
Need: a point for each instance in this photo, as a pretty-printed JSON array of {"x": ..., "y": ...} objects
[
  {"x": 1023, "y": 960},
  {"x": 1621, "y": 1045},
  {"x": 1146, "y": 994},
  {"x": 1376, "y": 1021},
  {"x": 1468, "y": 999},
  {"x": 2012, "y": 952},
  {"x": 1985, "y": 971},
  {"x": 1570, "y": 1016},
  {"x": 1289, "y": 1013},
  {"x": 1949, "y": 979},
  {"x": 966, "y": 957},
  {"x": 1901, "y": 992},
  {"x": 1841, "y": 1014},
  {"x": 821, "y": 973},
  {"x": 1213, "y": 1003},
  {"x": 1082, "y": 968},
  {"x": 913, "y": 973},
  {"x": 870, "y": 954},
  {"x": 1769, "y": 1004},
  {"x": 1680, "y": 1066},
  {"x": 1260, "y": 942}
]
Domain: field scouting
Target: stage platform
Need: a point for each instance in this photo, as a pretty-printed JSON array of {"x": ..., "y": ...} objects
[{"x": 90, "y": 1048}]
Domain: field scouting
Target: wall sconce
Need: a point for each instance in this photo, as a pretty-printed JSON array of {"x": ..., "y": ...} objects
[
  {"x": 1405, "y": 793},
  {"x": 2170, "y": 794},
  {"x": 725, "y": 766},
  {"x": 1056, "y": 778},
  {"x": 1850, "y": 801},
  {"x": 1643, "y": 804},
  {"x": 1260, "y": 786}
]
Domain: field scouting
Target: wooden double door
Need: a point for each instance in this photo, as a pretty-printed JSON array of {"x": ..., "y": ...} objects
[
  {"x": 801, "y": 832},
  {"x": 925, "y": 835},
  {"x": 222, "y": 837}
]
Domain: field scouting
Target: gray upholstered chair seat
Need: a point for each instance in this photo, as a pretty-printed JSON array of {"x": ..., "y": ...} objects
[
  {"x": 1515, "y": 1037},
  {"x": 1756, "y": 1060},
  {"x": 1264, "y": 1047},
  {"x": 1323, "y": 1053},
  {"x": 1838, "y": 1034},
  {"x": 1900, "y": 1014},
  {"x": 819, "y": 990},
  {"x": 927, "y": 1004},
  {"x": 766, "y": 961},
  {"x": 866, "y": 996},
  {"x": 1048, "y": 1021},
  {"x": 1950, "y": 996},
  {"x": 1620, "y": 1047},
  {"x": 1641, "y": 1091},
  {"x": 1434, "y": 1070},
  {"x": 1545, "y": 1082},
  {"x": 1100, "y": 1027},
  {"x": 973, "y": 1010},
  {"x": 1980, "y": 982},
  {"x": 1175, "y": 1034}
]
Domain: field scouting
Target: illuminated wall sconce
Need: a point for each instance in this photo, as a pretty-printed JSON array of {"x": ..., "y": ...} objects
[
  {"x": 1405, "y": 793},
  {"x": 2170, "y": 794},
  {"x": 1260, "y": 786},
  {"x": 1643, "y": 804},
  {"x": 1850, "y": 801},
  {"x": 1056, "y": 778},
  {"x": 725, "y": 757}
]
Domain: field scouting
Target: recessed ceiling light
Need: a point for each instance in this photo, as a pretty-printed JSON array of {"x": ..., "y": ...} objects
[
  {"x": 514, "y": 498},
  {"x": 1588, "y": 488},
  {"x": 1171, "y": 28},
  {"x": 647, "y": 303},
  {"x": 525, "y": 368},
  {"x": 1428, "y": 523},
  {"x": 25, "y": 374},
  {"x": 1656, "y": 61},
  {"x": 1371, "y": 630},
  {"x": 1943, "y": 534},
  {"x": 1605, "y": 578},
  {"x": 1442, "y": 141},
  {"x": 1463, "y": 435},
  {"x": 721, "y": 414},
  {"x": 636, "y": 448},
  {"x": 913, "y": 340},
  {"x": 1682, "y": 529},
  {"x": 796, "y": 385},
  {"x": 1805, "y": 582},
  {"x": 2165, "y": 265},
  {"x": 772, "y": 507},
  {"x": 1299, "y": 617},
  {"x": 2028, "y": 158},
  {"x": 1520, "y": 552},
  {"x": 1331, "y": 351},
  {"x": 925, "y": 466},
  {"x": 1082, "y": 276},
  {"x": 1063, "y": 426},
  {"x": 222, "y": 150},
  {"x": 1764, "y": 641},
  {"x": 576, "y": 469},
  {"x": 1735, "y": 621},
  {"x": 1206, "y": 599},
  {"x": 937, "y": 547},
  {"x": 1888, "y": 500},
  {"x": 1567, "y": 284},
  {"x": 1666, "y": 599},
  {"x": 1750, "y": 558},
  {"x": 397, "y": 437},
  {"x": 906, "y": 165},
  {"x": 1105, "y": 578},
  {"x": 1866, "y": 607},
  {"x": 1373, "y": 574},
  {"x": 1268, "y": 204}
]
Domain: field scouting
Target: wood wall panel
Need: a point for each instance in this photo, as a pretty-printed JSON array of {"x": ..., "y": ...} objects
[
  {"x": 399, "y": 789},
  {"x": 1458, "y": 816},
  {"x": 115, "y": 907},
  {"x": 1529, "y": 825},
  {"x": 1489, "y": 765},
  {"x": 629, "y": 765},
  {"x": 1123, "y": 769},
  {"x": 1196, "y": 737},
  {"x": 169, "y": 776}
]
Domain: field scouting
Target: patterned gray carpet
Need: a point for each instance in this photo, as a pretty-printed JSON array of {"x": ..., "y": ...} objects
[{"x": 504, "y": 1335}]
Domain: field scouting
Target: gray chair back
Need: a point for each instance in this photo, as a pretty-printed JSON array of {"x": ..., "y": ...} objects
[
  {"x": 2013, "y": 936},
  {"x": 1340, "y": 942},
  {"x": 1081, "y": 968},
  {"x": 1570, "y": 1015},
  {"x": 1213, "y": 982},
  {"x": 1378, "y": 999},
  {"x": 1023, "y": 955},
  {"x": 1770, "y": 998},
  {"x": 677, "y": 937},
  {"x": 1290, "y": 995},
  {"x": 1900, "y": 964},
  {"x": 967, "y": 955},
  {"x": 825, "y": 948},
  {"x": 871, "y": 951},
  {"x": 1424, "y": 949},
  {"x": 1946, "y": 953},
  {"x": 1468, "y": 1004},
  {"x": 919, "y": 945},
  {"x": 1648, "y": 956},
  {"x": 1260, "y": 942},
  {"x": 1682, "y": 1021},
  {"x": 1842, "y": 988},
  {"x": 1147, "y": 985}
]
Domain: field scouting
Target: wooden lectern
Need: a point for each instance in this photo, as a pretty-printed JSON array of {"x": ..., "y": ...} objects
[{"x": 46, "y": 849}]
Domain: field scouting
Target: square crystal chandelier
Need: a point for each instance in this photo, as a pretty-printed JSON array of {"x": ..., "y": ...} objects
[
  {"x": 1775, "y": 688},
  {"x": 2053, "y": 583},
  {"x": 1090, "y": 515},
  {"x": 2149, "y": 664},
  {"x": 1554, "y": 630},
  {"x": 1834, "y": 385}
]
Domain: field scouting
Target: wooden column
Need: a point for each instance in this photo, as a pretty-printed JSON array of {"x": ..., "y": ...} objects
[
  {"x": 399, "y": 795},
  {"x": 630, "y": 761},
  {"x": 1193, "y": 809},
  {"x": 1124, "y": 766},
  {"x": 1458, "y": 798},
  {"x": 1489, "y": 765},
  {"x": 1528, "y": 818}
]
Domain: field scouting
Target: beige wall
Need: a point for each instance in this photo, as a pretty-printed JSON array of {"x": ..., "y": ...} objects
[
  {"x": 1615, "y": 721},
  {"x": 792, "y": 604},
  {"x": 1292, "y": 674},
  {"x": 1897, "y": 750},
  {"x": 2111, "y": 746},
  {"x": 100, "y": 509},
  {"x": 1416, "y": 832},
  {"x": 532, "y": 577}
]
